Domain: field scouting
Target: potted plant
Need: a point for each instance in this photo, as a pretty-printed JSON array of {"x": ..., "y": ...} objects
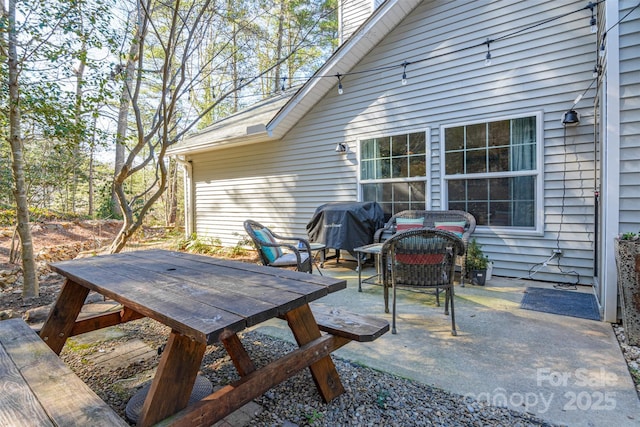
[
  {"x": 477, "y": 263},
  {"x": 627, "y": 254}
]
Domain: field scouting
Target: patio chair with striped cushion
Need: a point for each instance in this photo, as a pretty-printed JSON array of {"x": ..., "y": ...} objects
[{"x": 422, "y": 258}]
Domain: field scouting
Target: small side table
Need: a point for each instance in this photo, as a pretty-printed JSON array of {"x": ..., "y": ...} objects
[{"x": 375, "y": 249}]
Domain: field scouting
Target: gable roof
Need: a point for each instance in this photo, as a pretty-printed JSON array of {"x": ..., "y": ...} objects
[
  {"x": 347, "y": 56},
  {"x": 272, "y": 118}
]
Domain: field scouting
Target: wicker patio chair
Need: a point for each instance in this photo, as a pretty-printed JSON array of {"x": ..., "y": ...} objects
[
  {"x": 279, "y": 251},
  {"x": 445, "y": 220},
  {"x": 421, "y": 258}
]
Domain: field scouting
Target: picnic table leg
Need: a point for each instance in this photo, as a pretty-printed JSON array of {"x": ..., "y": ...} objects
[
  {"x": 63, "y": 315},
  {"x": 324, "y": 373},
  {"x": 239, "y": 356},
  {"x": 172, "y": 386}
]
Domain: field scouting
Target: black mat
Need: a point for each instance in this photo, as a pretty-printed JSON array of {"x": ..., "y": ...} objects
[
  {"x": 565, "y": 303},
  {"x": 201, "y": 388}
]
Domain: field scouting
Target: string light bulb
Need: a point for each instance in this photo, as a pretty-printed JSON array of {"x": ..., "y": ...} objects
[
  {"x": 340, "y": 90},
  {"x": 601, "y": 51},
  {"x": 404, "y": 73},
  {"x": 593, "y": 22},
  {"x": 487, "y": 59}
]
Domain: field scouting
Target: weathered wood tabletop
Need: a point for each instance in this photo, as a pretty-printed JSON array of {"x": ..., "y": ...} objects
[{"x": 204, "y": 300}]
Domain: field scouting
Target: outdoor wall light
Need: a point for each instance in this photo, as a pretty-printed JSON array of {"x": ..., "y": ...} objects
[
  {"x": 571, "y": 118},
  {"x": 341, "y": 147}
]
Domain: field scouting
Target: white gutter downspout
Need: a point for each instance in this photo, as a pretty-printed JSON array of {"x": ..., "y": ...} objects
[
  {"x": 611, "y": 160},
  {"x": 189, "y": 211}
]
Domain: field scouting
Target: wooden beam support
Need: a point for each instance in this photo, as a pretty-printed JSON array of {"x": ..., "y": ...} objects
[
  {"x": 172, "y": 386},
  {"x": 221, "y": 403},
  {"x": 62, "y": 317},
  {"x": 99, "y": 321},
  {"x": 324, "y": 373}
]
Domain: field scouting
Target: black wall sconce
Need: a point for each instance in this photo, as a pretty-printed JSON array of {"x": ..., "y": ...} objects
[
  {"x": 341, "y": 147},
  {"x": 571, "y": 118}
]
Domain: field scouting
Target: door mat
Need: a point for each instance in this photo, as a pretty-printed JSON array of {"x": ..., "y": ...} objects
[{"x": 565, "y": 303}]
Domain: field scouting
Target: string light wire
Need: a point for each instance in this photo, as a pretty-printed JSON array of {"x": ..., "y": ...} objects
[{"x": 488, "y": 41}]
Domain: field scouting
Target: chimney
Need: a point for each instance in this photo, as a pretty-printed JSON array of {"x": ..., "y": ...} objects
[{"x": 352, "y": 14}]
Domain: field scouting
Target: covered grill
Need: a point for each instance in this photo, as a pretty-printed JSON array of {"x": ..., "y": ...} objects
[{"x": 345, "y": 226}]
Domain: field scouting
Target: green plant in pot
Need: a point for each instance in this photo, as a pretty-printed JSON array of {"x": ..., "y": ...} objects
[{"x": 477, "y": 263}]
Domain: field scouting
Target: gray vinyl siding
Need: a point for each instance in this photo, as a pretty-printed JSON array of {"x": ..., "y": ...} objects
[
  {"x": 280, "y": 183},
  {"x": 629, "y": 119},
  {"x": 352, "y": 14},
  {"x": 540, "y": 70}
]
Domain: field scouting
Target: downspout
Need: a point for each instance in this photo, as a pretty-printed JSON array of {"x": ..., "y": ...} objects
[{"x": 189, "y": 202}]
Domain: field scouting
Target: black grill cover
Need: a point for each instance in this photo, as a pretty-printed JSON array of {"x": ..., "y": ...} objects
[{"x": 345, "y": 225}]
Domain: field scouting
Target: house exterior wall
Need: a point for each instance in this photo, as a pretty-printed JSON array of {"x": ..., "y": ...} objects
[
  {"x": 540, "y": 71},
  {"x": 629, "y": 119}
]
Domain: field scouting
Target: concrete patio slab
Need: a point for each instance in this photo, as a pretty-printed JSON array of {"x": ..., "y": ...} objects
[{"x": 562, "y": 369}]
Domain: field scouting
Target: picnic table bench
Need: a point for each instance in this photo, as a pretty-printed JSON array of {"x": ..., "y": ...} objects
[
  {"x": 38, "y": 389},
  {"x": 205, "y": 301}
]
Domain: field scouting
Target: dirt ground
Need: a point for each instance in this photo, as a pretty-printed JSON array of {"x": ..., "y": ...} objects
[
  {"x": 58, "y": 233},
  {"x": 52, "y": 241}
]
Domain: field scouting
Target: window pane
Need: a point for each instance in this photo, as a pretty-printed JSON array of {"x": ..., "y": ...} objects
[
  {"x": 476, "y": 161},
  {"x": 383, "y": 168},
  {"x": 476, "y": 136},
  {"x": 499, "y": 159},
  {"x": 371, "y": 192},
  {"x": 417, "y": 166},
  {"x": 480, "y": 211},
  {"x": 454, "y": 162},
  {"x": 457, "y": 190},
  {"x": 368, "y": 149},
  {"x": 383, "y": 147},
  {"x": 367, "y": 169},
  {"x": 400, "y": 169},
  {"x": 454, "y": 138},
  {"x": 500, "y": 188},
  {"x": 500, "y": 214},
  {"x": 417, "y": 143},
  {"x": 523, "y": 157},
  {"x": 418, "y": 193},
  {"x": 477, "y": 189},
  {"x": 399, "y": 145},
  {"x": 401, "y": 192},
  {"x": 499, "y": 133}
]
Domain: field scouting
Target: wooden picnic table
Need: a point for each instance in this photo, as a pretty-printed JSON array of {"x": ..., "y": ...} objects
[{"x": 204, "y": 300}]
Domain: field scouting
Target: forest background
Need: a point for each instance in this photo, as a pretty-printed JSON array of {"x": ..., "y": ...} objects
[{"x": 95, "y": 91}]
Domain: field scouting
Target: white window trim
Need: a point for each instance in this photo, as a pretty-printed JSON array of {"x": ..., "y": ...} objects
[
  {"x": 539, "y": 173},
  {"x": 390, "y": 133}
]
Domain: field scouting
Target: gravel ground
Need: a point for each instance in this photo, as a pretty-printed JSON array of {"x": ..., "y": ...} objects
[{"x": 372, "y": 398}]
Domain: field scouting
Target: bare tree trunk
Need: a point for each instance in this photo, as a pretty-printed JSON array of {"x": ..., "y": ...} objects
[
  {"x": 31, "y": 287},
  {"x": 123, "y": 116},
  {"x": 279, "y": 46},
  {"x": 172, "y": 196},
  {"x": 78, "y": 117},
  {"x": 91, "y": 182}
]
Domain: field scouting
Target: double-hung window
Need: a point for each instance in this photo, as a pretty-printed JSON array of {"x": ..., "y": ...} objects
[
  {"x": 393, "y": 171},
  {"x": 492, "y": 171}
]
